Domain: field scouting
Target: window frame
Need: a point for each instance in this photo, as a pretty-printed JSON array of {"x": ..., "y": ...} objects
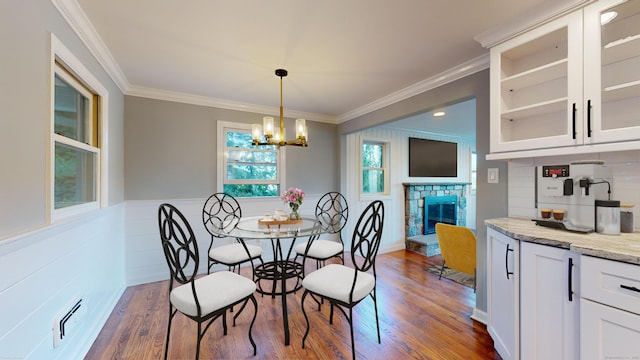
[
  {"x": 221, "y": 166},
  {"x": 67, "y": 66},
  {"x": 473, "y": 173},
  {"x": 386, "y": 151}
]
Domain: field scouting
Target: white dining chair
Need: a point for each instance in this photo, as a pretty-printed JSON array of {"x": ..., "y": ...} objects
[
  {"x": 345, "y": 287},
  {"x": 221, "y": 213},
  {"x": 332, "y": 211},
  {"x": 206, "y": 298}
]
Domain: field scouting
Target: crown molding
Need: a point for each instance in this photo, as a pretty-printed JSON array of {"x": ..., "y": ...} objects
[
  {"x": 167, "y": 95},
  {"x": 539, "y": 15},
  {"x": 77, "y": 19},
  {"x": 455, "y": 73}
]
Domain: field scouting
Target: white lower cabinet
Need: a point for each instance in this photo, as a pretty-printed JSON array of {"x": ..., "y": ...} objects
[
  {"x": 549, "y": 302},
  {"x": 608, "y": 333},
  {"x": 503, "y": 290},
  {"x": 533, "y": 299},
  {"x": 609, "y": 309},
  {"x": 545, "y": 302}
]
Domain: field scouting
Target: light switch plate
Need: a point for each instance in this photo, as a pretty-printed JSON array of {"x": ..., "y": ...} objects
[{"x": 493, "y": 175}]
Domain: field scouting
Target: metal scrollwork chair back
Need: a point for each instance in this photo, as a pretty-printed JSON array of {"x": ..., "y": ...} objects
[
  {"x": 221, "y": 213},
  {"x": 332, "y": 211},
  {"x": 203, "y": 299},
  {"x": 345, "y": 287}
]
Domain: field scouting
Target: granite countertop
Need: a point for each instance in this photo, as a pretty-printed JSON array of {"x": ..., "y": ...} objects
[{"x": 624, "y": 247}]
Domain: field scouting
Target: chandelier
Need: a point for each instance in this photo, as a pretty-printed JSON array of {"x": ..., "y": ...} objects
[{"x": 265, "y": 134}]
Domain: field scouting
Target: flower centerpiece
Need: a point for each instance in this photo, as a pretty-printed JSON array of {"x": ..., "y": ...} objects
[{"x": 293, "y": 197}]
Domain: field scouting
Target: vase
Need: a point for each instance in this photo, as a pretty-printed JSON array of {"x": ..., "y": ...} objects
[{"x": 294, "y": 215}]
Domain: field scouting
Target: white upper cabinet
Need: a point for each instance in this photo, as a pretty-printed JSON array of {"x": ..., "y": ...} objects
[
  {"x": 535, "y": 79},
  {"x": 612, "y": 71},
  {"x": 569, "y": 83}
]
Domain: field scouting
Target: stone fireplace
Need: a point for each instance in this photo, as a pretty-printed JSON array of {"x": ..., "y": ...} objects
[{"x": 426, "y": 204}]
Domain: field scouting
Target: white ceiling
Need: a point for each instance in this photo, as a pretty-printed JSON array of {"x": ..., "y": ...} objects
[
  {"x": 459, "y": 121},
  {"x": 341, "y": 54}
]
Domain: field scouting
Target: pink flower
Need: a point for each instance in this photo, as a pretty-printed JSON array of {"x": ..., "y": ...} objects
[{"x": 293, "y": 196}]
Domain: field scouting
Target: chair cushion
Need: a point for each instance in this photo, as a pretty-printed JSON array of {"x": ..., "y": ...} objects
[
  {"x": 320, "y": 249},
  {"x": 215, "y": 291},
  {"x": 234, "y": 253},
  {"x": 334, "y": 281}
]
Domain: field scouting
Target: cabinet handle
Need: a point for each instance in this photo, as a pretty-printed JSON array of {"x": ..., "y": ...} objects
[
  {"x": 632, "y": 288},
  {"x": 570, "y": 280},
  {"x": 574, "y": 121},
  {"x": 506, "y": 262},
  {"x": 589, "y": 118}
]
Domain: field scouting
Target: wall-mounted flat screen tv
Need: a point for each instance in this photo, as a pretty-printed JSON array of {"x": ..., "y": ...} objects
[{"x": 432, "y": 158}]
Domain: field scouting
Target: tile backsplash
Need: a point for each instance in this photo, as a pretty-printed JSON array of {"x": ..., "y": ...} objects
[{"x": 625, "y": 168}]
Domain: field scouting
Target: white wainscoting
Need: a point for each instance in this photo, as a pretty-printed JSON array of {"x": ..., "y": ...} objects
[
  {"x": 97, "y": 256},
  {"x": 393, "y": 232},
  {"x": 43, "y": 270}
]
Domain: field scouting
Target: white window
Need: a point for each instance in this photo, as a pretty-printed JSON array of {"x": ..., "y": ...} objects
[
  {"x": 374, "y": 167},
  {"x": 78, "y": 110},
  {"x": 246, "y": 170}
]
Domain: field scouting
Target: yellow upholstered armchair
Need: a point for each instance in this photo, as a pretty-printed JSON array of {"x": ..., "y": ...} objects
[{"x": 458, "y": 248}]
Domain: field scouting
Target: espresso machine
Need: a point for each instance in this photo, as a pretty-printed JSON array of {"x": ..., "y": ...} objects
[{"x": 573, "y": 188}]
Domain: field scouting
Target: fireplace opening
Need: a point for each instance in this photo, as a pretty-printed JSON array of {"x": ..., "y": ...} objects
[{"x": 439, "y": 209}]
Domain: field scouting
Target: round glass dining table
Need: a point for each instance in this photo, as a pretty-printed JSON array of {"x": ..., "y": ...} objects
[
  {"x": 256, "y": 227},
  {"x": 282, "y": 235}
]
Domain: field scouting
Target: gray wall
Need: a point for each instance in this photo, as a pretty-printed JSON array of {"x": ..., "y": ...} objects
[
  {"x": 491, "y": 199},
  {"x": 25, "y": 28},
  {"x": 44, "y": 266},
  {"x": 171, "y": 151}
]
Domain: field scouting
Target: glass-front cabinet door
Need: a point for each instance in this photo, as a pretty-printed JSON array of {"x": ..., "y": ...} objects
[
  {"x": 612, "y": 71},
  {"x": 536, "y": 87}
]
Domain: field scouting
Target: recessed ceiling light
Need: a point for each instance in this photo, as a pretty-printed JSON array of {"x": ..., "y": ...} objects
[
  {"x": 438, "y": 114},
  {"x": 605, "y": 18}
]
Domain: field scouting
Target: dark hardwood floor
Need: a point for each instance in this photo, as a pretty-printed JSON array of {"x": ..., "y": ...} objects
[{"x": 421, "y": 317}]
